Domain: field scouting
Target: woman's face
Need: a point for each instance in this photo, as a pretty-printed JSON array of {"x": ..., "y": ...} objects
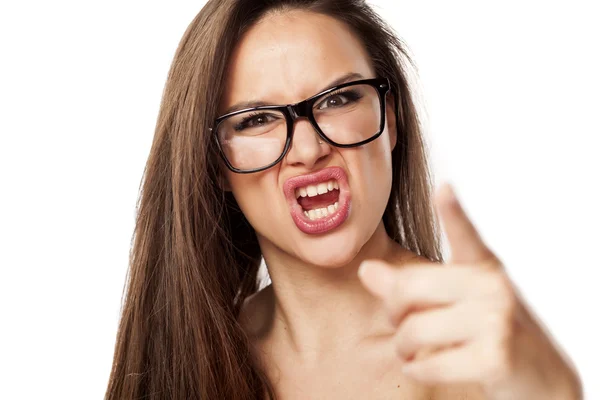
[{"x": 286, "y": 58}]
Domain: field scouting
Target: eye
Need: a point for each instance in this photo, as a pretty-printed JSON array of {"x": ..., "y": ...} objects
[
  {"x": 257, "y": 120},
  {"x": 339, "y": 99},
  {"x": 333, "y": 101},
  {"x": 254, "y": 120}
]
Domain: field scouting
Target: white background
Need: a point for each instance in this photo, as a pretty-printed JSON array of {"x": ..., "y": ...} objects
[{"x": 511, "y": 91}]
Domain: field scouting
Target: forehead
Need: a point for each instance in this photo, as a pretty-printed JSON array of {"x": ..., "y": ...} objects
[{"x": 289, "y": 56}]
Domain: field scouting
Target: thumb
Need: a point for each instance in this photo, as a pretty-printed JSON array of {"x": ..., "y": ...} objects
[{"x": 378, "y": 277}]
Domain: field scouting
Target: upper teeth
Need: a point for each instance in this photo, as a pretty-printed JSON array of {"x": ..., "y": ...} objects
[{"x": 314, "y": 190}]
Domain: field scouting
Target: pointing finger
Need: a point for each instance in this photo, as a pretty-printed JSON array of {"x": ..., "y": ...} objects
[{"x": 466, "y": 245}]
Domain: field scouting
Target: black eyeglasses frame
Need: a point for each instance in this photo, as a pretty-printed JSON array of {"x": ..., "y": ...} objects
[{"x": 305, "y": 109}]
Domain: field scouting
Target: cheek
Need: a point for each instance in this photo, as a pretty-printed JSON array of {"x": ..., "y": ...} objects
[
  {"x": 371, "y": 167},
  {"x": 257, "y": 196},
  {"x": 244, "y": 188},
  {"x": 374, "y": 160}
]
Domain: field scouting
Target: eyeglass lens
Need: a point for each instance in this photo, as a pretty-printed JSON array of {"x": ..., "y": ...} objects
[{"x": 256, "y": 138}]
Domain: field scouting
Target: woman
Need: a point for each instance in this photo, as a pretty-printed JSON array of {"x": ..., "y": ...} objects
[{"x": 288, "y": 132}]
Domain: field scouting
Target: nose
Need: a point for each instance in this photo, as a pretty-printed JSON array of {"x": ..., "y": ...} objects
[{"x": 305, "y": 148}]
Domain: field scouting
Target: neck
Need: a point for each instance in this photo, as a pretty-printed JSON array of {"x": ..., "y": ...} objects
[{"x": 319, "y": 311}]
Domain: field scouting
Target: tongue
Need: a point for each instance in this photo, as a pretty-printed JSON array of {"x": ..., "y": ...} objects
[{"x": 319, "y": 201}]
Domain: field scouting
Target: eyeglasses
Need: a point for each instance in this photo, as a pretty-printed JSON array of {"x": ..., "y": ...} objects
[{"x": 347, "y": 115}]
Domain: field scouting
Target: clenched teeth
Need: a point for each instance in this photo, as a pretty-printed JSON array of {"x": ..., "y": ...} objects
[
  {"x": 314, "y": 190},
  {"x": 321, "y": 212}
]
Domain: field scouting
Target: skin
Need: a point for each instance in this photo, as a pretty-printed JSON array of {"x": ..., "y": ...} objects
[
  {"x": 470, "y": 318},
  {"x": 403, "y": 328}
]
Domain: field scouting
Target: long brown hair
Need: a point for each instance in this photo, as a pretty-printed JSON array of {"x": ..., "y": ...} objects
[{"x": 194, "y": 257}]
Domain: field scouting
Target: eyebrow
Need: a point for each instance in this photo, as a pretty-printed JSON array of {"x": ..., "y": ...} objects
[{"x": 258, "y": 103}]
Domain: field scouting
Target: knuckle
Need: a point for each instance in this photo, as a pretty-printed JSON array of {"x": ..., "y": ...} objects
[
  {"x": 500, "y": 290},
  {"x": 497, "y": 282},
  {"x": 410, "y": 331},
  {"x": 409, "y": 337}
]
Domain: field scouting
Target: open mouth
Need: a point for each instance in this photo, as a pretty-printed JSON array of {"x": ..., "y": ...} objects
[{"x": 319, "y": 202}]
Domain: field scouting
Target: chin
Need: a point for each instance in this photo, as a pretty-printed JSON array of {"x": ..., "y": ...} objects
[
  {"x": 331, "y": 250},
  {"x": 329, "y": 260}
]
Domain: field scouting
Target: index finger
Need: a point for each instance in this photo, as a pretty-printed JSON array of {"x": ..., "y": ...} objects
[{"x": 466, "y": 244}]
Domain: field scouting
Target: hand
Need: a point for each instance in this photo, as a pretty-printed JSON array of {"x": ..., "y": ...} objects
[{"x": 470, "y": 319}]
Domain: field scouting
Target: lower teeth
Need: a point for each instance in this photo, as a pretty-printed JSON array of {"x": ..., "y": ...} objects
[{"x": 321, "y": 212}]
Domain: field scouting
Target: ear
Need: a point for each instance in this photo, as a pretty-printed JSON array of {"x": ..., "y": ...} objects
[{"x": 390, "y": 115}]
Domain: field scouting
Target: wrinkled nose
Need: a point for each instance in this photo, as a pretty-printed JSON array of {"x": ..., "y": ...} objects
[{"x": 306, "y": 149}]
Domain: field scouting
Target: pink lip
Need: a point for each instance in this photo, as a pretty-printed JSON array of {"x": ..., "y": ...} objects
[{"x": 330, "y": 222}]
